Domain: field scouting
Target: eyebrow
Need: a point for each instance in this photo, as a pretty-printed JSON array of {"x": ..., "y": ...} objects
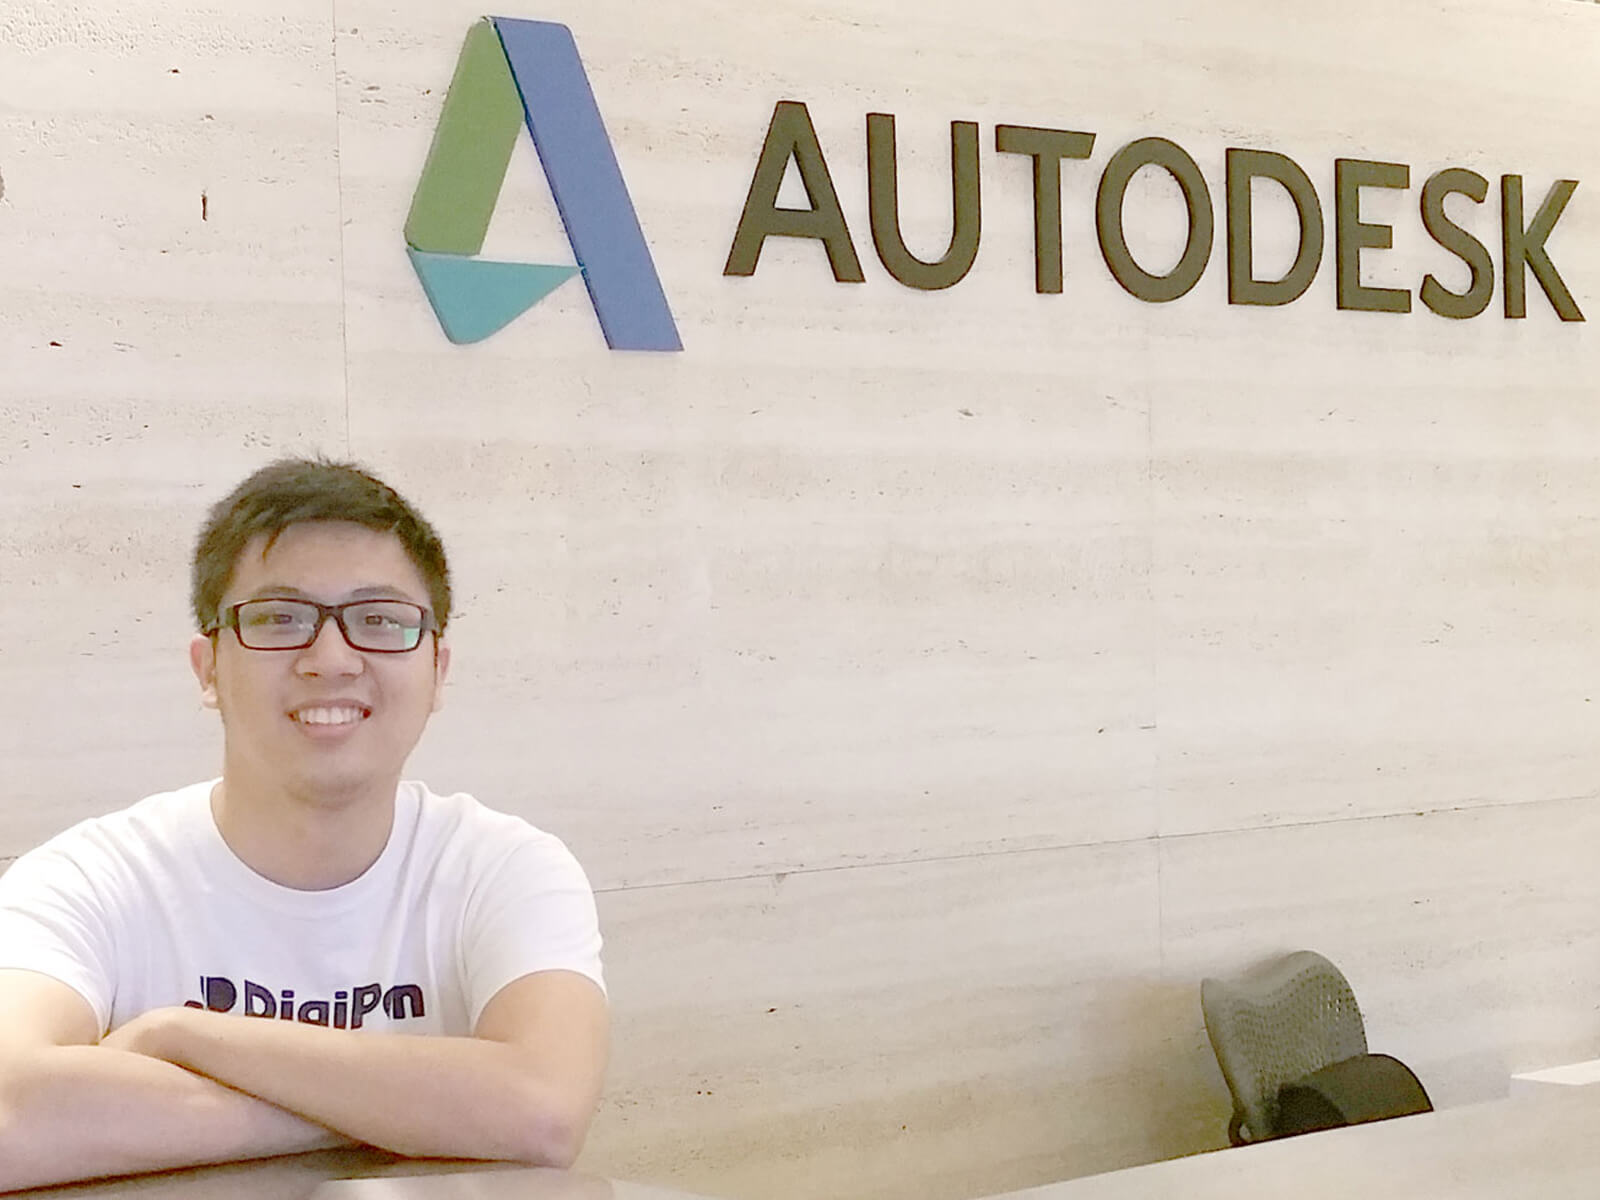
[{"x": 370, "y": 592}]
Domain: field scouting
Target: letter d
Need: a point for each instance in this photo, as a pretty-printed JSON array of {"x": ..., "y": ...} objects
[
  {"x": 1243, "y": 287},
  {"x": 219, "y": 992}
]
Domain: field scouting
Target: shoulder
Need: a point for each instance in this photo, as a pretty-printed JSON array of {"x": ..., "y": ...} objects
[
  {"x": 462, "y": 831},
  {"x": 523, "y": 902}
]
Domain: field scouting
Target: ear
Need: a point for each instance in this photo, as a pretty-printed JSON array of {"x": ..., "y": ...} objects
[
  {"x": 203, "y": 662},
  {"x": 441, "y": 668}
]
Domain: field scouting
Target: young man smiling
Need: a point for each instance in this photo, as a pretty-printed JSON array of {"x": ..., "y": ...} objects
[{"x": 236, "y": 969}]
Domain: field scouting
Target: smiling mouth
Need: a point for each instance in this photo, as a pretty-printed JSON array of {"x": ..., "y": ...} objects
[{"x": 339, "y": 714}]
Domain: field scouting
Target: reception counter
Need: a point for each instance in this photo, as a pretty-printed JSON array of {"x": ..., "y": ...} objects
[
  {"x": 357, "y": 1175},
  {"x": 1545, "y": 1146}
]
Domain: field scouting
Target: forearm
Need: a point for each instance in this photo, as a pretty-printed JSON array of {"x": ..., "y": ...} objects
[
  {"x": 83, "y": 1112},
  {"x": 447, "y": 1097}
]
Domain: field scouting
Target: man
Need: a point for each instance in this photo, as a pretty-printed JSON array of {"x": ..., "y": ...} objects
[{"x": 236, "y": 969}]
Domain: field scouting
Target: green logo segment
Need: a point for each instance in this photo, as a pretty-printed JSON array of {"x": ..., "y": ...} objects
[{"x": 456, "y": 196}]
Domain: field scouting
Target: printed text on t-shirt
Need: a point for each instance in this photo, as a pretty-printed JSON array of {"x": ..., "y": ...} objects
[{"x": 347, "y": 1010}]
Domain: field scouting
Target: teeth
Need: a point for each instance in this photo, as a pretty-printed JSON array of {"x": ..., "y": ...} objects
[{"x": 329, "y": 716}]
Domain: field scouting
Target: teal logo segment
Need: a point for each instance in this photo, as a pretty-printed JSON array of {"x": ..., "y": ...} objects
[
  {"x": 511, "y": 73},
  {"x": 474, "y": 298}
]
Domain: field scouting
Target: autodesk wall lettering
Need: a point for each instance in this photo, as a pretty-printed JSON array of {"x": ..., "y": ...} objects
[
  {"x": 1521, "y": 246},
  {"x": 1119, "y": 172},
  {"x": 1243, "y": 287},
  {"x": 1352, "y": 235},
  {"x": 1047, "y": 147},
  {"x": 883, "y": 191},
  {"x": 791, "y": 137},
  {"x": 1459, "y": 242}
]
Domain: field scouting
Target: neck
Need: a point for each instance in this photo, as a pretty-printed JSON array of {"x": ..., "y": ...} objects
[{"x": 310, "y": 843}]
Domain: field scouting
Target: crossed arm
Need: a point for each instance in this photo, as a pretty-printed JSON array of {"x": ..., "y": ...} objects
[{"x": 180, "y": 1087}]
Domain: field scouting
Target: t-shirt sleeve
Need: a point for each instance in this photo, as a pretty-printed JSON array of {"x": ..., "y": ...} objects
[
  {"x": 52, "y": 921},
  {"x": 534, "y": 911}
]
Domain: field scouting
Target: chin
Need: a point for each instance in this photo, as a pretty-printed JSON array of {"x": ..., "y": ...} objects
[{"x": 335, "y": 789}]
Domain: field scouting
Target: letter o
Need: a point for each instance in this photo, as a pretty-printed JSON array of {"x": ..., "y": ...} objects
[{"x": 1124, "y": 164}]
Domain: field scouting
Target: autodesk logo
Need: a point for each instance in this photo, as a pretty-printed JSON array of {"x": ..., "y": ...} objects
[{"x": 511, "y": 71}]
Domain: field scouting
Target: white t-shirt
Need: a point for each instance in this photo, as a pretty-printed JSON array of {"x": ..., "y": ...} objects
[{"x": 148, "y": 907}]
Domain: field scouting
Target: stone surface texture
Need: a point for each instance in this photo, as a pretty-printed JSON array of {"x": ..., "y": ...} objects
[{"x": 936, "y": 685}]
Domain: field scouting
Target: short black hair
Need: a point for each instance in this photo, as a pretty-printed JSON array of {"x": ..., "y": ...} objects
[{"x": 293, "y": 491}]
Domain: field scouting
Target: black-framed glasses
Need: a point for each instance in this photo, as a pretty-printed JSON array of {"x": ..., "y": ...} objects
[{"x": 378, "y": 626}]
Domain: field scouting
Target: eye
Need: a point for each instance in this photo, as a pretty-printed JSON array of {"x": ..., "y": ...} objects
[{"x": 262, "y": 618}]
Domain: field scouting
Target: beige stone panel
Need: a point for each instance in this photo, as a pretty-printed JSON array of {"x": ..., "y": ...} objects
[
  {"x": 101, "y": 708},
  {"x": 799, "y": 698},
  {"x": 1374, "y": 549},
  {"x": 652, "y": 457},
  {"x": 181, "y": 325},
  {"x": 703, "y": 786},
  {"x": 798, "y": 594},
  {"x": 1467, "y": 935},
  {"x": 711, "y": 625},
  {"x": 171, "y": 319},
  {"x": 927, "y": 1030},
  {"x": 1323, "y": 666},
  {"x": 1375, "y": 584}
]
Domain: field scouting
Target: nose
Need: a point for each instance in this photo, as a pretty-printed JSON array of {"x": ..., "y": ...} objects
[{"x": 330, "y": 654}]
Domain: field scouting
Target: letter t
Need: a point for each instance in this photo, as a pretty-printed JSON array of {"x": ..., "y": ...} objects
[{"x": 1047, "y": 147}]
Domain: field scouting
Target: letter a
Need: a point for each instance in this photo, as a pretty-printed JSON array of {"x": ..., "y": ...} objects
[{"x": 792, "y": 136}]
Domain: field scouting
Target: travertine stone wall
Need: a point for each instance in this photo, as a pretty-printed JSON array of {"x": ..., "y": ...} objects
[{"x": 936, "y": 685}]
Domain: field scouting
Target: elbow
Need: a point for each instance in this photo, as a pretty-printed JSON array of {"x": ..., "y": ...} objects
[
  {"x": 550, "y": 1139},
  {"x": 549, "y": 1129},
  {"x": 18, "y": 1151},
  {"x": 12, "y": 1096},
  {"x": 10, "y": 1153}
]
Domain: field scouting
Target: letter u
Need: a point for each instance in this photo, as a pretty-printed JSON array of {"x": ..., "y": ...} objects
[{"x": 883, "y": 193}]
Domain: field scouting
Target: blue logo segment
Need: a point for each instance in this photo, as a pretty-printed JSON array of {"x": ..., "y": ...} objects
[{"x": 587, "y": 184}]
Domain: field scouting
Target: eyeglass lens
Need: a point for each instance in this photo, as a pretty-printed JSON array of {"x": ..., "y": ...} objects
[{"x": 383, "y": 625}]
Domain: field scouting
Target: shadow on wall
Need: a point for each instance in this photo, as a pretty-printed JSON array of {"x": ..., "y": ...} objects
[
  {"x": 1187, "y": 1104},
  {"x": 1025, "y": 1086}
]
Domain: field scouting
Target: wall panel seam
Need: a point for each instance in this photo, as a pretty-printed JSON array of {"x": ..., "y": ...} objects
[
  {"x": 344, "y": 294},
  {"x": 1157, "y": 841}
]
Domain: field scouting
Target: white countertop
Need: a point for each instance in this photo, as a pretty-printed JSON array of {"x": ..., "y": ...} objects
[{"x": 1544, "y": 1146}]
